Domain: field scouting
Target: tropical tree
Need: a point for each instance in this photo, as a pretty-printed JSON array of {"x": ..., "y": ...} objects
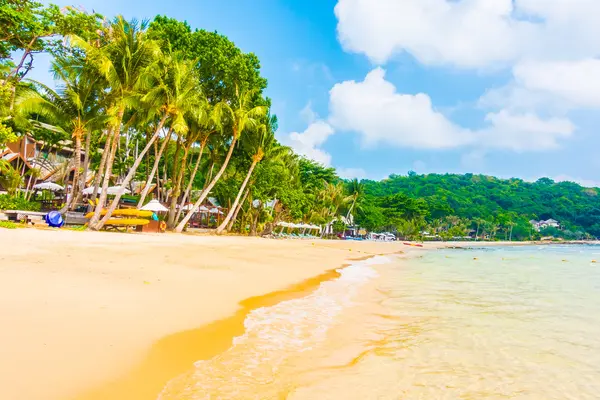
[
  {"x": 172, "y": 89},
  {"x": 239, "y": 117},
  {"x": 121, "y": 62},
  {"x": 260, "y": 144},
  {"x": 357, "y": 190},
  {"x": 72, "y": 110}
]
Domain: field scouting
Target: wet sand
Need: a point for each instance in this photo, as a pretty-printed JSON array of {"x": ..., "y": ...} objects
[{"x": 96, "y": 315}]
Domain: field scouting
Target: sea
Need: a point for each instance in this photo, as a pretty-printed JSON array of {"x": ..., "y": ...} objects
[{"x": 478, "y": 323}]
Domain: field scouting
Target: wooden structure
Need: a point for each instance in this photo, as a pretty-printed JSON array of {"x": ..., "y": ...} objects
[{"x": 207, "y": 217}]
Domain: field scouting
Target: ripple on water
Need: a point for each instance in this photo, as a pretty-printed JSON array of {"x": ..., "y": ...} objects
[{"x": 515, "y": 323}]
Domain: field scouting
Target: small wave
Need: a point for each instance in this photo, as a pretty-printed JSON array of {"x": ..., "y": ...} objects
[{"x": 274, "y": 337}]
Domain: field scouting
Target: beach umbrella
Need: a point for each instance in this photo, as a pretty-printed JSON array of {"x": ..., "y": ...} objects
[
  {"x": 111, "y": 190},
  {"x": 51, "y": 186},
  {"x": 203, "y": 209},
  {"x": 154, "y": 206},
  {"x": 214, "y": 210},
  {"x": 187, "y": 207}
]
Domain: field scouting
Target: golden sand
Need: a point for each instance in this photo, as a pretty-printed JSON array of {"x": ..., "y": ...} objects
[{"x": 96, "y": 315}]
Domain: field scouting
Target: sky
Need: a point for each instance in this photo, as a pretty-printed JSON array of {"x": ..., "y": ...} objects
[{"x": 509, "y": 88}]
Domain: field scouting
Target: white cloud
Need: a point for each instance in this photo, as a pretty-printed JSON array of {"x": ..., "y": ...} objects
[
  {"x": 469, "y": 33},
  {"x": 576, "y": 82},
  {"x": 308, "y": 143},
  {"x": 381, "y": 115},
  {"x": 524, "y": 132},
  {"x": 583, "y": 182},
  {"x": 351, "y": 173},
  {"x": 308, "y": 114}
]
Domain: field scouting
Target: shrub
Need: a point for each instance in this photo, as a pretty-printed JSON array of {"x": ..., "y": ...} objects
[
  {"x": 8, "y": 202},
  {"x": 8, "y": 225}
]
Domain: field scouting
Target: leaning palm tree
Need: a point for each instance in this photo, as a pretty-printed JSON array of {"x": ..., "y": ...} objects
[
  {"x": 72, "y": 110},
  {"x": 357, "y": 190},
  {"x": 260, "y": 144},
  {"x": 240, "y": 116},
  {"x": 173, "y": 90},
  {"x": 121, "y": 62}
]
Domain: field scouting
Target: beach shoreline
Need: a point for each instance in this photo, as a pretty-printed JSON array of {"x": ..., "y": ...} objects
[
  {"x": 98, "y": 314},
  {"x": 85, "y": 308}
]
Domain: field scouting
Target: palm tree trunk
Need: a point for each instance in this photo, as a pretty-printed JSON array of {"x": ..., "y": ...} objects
[
  {"x": 28, "y": 186},
  {"x": 188, "y": 189},
  {"x": 206, "y": 191},
  {"x": 131, "y": 174},
  {"x": 154, "y": 169},
  {"x": 177, "y": 189},
  {"x": 209, "y": 175},
  {"x": 94, "y": 221},
  {"x": 86, "y": 167},
  {"x": 225, "y": 222},
  {"x": 237, "y": 210},
  {"x": 99, "y": 174},
  {"x": 351, "y": 208},
  {"x": 76, "y": 173}
]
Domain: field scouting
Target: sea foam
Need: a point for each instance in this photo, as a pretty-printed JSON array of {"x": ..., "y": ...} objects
[{"x": 274, "y": 336}]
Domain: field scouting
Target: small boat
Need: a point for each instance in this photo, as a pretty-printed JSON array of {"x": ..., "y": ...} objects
[{"x": 413, "y": 244}]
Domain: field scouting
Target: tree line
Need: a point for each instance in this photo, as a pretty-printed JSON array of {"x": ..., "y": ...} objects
[
  {"x": 452, "y": 205},
  {"x": 159, "y": 105},
  {"x": 180, "y": 110}
]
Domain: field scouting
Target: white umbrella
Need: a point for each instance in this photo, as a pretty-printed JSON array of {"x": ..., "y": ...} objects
[
  {"x": 154, "y": 206},
  {"x": 203, "y": 209},
  {"x": 111, "y": 190},
  {"x": 51, "y": 186}
]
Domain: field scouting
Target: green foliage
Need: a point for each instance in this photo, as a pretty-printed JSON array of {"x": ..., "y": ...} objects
[
  {"x": 6, "y": 135},
  {"x": 8, "y": 225},
  {"x": 8, "y": 202},
  {"x": 492, "y": 207},
  {"x": 221, "y": 66},
  {"x": 33, "y": 28}
]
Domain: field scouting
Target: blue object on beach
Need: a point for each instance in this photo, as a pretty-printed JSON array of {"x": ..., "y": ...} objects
[
  {"x": 154, "y": 217},
  {"x": 54, "y": 219}
]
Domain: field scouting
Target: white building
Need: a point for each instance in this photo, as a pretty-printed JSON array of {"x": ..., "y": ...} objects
[{"x": 549, "y": 223}]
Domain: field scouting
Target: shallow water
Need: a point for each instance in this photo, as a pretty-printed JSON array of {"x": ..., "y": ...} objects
[{"x": 455, "y": 324}]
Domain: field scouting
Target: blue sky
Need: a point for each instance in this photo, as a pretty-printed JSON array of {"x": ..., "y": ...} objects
[{"x": 374, "y": 87}]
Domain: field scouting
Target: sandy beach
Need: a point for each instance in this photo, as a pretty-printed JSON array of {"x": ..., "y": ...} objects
[{"x": 105, "y": 315}]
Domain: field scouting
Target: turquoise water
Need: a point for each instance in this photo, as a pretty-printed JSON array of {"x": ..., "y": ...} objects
[{"x": 501, "y": 323}]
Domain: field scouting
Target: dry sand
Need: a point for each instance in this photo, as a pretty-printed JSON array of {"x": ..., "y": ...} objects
[{"x": 88, "y": 315}]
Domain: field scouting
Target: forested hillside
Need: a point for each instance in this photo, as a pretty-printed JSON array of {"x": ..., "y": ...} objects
[{"x": 484, "y": 203}]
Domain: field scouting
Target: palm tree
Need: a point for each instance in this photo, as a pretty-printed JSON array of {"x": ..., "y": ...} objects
[
  {"x": 73, "y": 110},
  {"x": 260, "y": 144},
  {"x": 174, "y": 91},
  {"x": 203, "y": 137},
  {"x": 357, "y": 190},
  {"x": 240, "y": 116},
  {"x": 34, "y": 174},
  {"x": 121, "y": 62}
]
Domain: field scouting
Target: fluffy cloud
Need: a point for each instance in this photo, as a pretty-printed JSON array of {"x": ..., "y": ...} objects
[
  {"x": 524, "y": 132},
  {"x": 351, "y": 173},
  {"x": 380, "y": 114},
  {"x": 374, "y": 109},
  {"x": 469, "y": 33},
  {"x": 556, "y": 86},
  {"x": 575, "y": 82},
  {"x": 308, "y": 143}
]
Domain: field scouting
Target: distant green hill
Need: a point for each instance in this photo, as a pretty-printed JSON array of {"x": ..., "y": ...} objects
[{"x": 499, "y": 204}]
